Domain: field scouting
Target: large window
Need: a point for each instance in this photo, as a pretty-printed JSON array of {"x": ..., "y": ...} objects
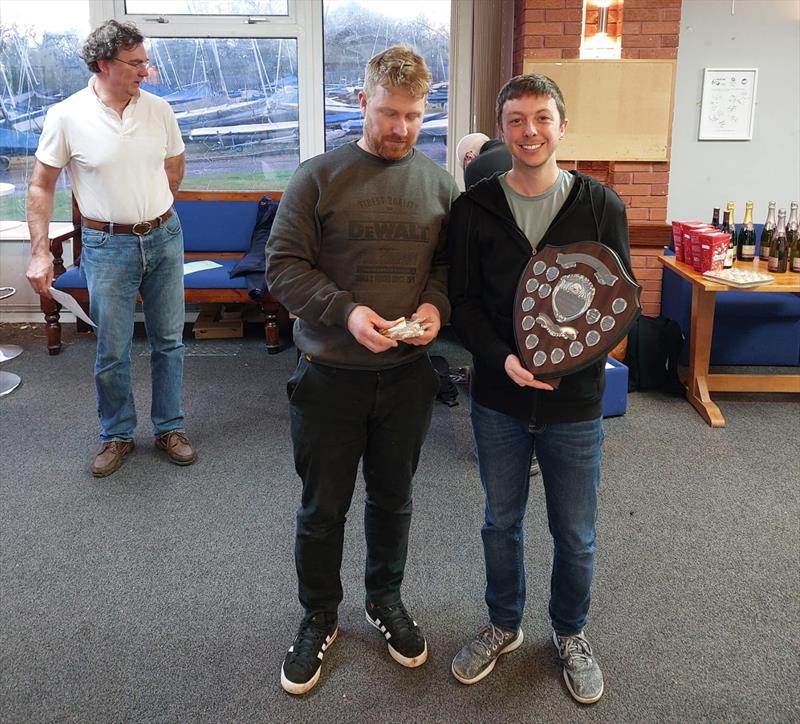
[
  {"x": 236, "y": 103},
  {"x": 357, "y": 29},
  {"x": 256, "y": 85},
  {"x": 39, "y": 65}
]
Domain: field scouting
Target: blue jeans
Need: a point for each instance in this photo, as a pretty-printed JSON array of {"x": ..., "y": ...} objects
[
  {"x": 569, "y": 458},
  {"x": 117, "y": 266}
]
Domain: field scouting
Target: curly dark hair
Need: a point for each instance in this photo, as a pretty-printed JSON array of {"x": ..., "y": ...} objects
[{"x": 105, "y": 41}]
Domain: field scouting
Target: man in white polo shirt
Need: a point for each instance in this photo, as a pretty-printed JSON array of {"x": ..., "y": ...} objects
[{"x": 125, "y": 157}]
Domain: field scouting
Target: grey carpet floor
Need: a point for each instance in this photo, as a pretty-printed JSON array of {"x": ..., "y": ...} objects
[{"x": 166, "y": 594}]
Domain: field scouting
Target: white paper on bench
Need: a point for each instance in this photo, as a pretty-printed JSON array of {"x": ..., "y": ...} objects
[
  {"x": 195, "y": 266},
  {"x": 68, "y": 301}
]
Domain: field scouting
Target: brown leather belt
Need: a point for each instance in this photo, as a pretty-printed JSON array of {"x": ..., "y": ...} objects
[{"x": 140, "y": 228}]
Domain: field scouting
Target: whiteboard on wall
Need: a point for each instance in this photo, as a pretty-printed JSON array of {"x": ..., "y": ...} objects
[{"x": 618, "y": 110}]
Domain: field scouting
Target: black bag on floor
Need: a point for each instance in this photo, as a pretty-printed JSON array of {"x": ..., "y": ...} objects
[
  {"x": 654, "y": 346},
  {"x": 448, "y": 392}
]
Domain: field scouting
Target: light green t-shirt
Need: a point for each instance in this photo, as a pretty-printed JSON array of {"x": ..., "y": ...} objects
[{"x": 534, "y": 214}]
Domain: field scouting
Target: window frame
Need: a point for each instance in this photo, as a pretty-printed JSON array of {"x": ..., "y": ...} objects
[{"x": 203, "y": 23}]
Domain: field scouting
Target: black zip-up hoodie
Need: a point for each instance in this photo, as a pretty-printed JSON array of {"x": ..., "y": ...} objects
[{"x": 488, "y": 254}]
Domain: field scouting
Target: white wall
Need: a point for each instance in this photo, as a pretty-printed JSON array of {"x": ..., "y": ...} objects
[{"x": 763, "y": 34}]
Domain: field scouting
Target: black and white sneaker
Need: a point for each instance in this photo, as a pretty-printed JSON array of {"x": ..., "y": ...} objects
[
  {"x": 303, "y": 663},
  {"x": 406, "y": 643}
]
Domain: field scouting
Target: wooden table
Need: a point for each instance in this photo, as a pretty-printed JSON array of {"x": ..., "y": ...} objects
[{"x": 700, "y": 382}]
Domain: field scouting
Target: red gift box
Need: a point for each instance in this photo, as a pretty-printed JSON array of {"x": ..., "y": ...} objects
[
  {"x": 691, "y": 250},
  {"x": 713, "y": 248},
  {"x": 677, "y": 239},
  {"x": 683, "y": 248}
]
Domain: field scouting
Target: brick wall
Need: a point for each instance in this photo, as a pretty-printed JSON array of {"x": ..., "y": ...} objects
[
  {"x": 551, "y": 29},
  {"x": 650, "y": 30}
]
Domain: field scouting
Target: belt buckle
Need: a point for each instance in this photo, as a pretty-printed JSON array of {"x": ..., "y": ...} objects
[{"x": 148, "y": 224}]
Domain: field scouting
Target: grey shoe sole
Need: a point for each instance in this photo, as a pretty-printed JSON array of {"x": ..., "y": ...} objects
[
  {"x": 581, "y": 699},
  {"x": 512, "y": 646}
]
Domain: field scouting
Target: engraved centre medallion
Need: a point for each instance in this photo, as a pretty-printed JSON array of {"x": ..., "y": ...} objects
[{"x": 572, "y": 296}]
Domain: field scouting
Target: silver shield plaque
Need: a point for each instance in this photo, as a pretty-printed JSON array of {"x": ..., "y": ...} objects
[{"x": 577, "y": 302}]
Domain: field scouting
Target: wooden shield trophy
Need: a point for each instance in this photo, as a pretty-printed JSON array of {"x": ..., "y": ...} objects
[{"x": 574, "y": 303}]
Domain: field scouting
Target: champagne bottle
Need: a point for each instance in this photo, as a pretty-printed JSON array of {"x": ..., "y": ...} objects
[
  {"x": 746, "y": 240},
  {"x": 725, "y": 228},
  {"x": 767, "y": 232},
  {"x": 715, "y": 218},
  {"x": 778, "y": 247},
  {"x": 792, "y": 241},
  {"x": 794, "y": 254},
  {"x": 732, "y": 220}
]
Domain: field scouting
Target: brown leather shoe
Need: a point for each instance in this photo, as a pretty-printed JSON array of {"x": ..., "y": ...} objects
[
  {"x": 110, "y": 456},
  {"x": 177, "y": 446}
]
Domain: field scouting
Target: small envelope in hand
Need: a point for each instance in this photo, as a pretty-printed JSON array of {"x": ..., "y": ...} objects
[{"x": 405, "y": 329}]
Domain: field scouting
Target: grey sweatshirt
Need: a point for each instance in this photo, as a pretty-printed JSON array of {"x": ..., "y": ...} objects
[{"x": 353, "y": 228}]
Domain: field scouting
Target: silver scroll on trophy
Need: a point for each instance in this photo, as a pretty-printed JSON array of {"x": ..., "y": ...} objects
[{"x": 574, "y": 303}]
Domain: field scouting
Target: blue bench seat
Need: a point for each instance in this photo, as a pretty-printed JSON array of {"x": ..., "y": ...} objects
[
  {"x": 218, "y": 278},
  {"x": 217, "y": 226}
]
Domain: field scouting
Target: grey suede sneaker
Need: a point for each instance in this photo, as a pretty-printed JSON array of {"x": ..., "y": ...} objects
[
  {"x": 478, "y": 657},
  {"x": 582, "y": 673}
]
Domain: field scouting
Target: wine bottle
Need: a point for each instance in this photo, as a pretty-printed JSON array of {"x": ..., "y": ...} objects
[
  {"x": 792, "y": 240},
  {"x": 746, "y": 240},
  {"x": 726, "y": 229},
  {"x": 715, "y": 218},
  {"x": 778, "y": 247},
  {"x": 766, "y": 233}
]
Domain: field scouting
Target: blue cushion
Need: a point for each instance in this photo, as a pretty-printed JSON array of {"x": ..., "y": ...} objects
[
  {"x": 216, "y": 278},
  {"x": 71, "y": 279},
  {"x": 615, "y": 397},
  {"x": 254, "y": 261},
  {"x": 217, "y": 226}
]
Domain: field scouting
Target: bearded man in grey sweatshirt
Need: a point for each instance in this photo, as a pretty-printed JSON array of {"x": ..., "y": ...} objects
[{"x": 358, "y": 242}]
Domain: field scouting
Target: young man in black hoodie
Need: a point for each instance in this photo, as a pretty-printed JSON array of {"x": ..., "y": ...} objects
[{"x": 494, "y": 229}]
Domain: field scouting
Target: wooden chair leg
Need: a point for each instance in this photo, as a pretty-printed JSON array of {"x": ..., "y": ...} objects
[
  {"x": 53, "y": 326},
  {"x": 272, "y": 331},
  {"x": 274, "y": 317}
]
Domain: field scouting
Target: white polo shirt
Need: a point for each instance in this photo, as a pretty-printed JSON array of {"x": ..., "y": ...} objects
[{"x": 116, "y": 164}]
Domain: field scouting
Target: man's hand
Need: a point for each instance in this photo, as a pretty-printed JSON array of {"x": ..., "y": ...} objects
[
  {"x": 427, "y": 314},
  {"x": 521, "y": 376},
  {"x": 41, "y": 195},
  {"x": 40, "y": 273},
  {"x": 364, "y": 323}
]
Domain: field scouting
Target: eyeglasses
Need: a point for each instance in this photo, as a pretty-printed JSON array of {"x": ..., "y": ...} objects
[{"x": 138, "y": 64}]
